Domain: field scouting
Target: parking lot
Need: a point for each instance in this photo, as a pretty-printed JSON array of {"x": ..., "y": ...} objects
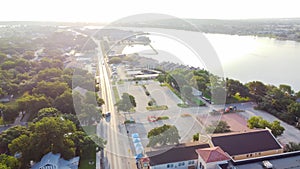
[{"x": 188, "y": 125}]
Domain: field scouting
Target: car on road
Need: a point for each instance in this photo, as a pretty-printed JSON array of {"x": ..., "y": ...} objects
[{"x": 107, "y": 114}]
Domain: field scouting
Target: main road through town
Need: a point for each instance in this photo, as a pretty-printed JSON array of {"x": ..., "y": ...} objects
[{"x": 117, "y": 152}]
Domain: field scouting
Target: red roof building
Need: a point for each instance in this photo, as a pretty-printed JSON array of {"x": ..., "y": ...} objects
[{"x": 211, "y": 157}]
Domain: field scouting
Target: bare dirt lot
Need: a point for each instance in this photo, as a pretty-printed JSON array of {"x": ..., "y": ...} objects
[{"x": 234, "y": 120}]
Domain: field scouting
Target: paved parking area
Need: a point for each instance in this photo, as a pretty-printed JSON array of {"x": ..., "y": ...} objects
[
  {"x": 138, "y": 92},
  {"x": 188, "y": 126},
  {"x": 163, "y": 95}
]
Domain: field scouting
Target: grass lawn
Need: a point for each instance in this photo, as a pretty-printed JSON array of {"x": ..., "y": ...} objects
[
  {"x": 90, "y": 130},
  {"x": 155, "y": 108},
  {"x": 183, "y": 105},
  {"x": 163, "y": 118},
  {"x": 198, "y": 102},
  {"x": 116, "y": 94},
  {"x": 85, "y": 159}
]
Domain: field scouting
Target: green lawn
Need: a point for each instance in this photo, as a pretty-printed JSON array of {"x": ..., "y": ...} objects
[
  {"x": 116, "y": 94},
  {"x": 163, "y": 118},
  {"x": 85, "y": 159},
  {"x": 155, "y": 108}
]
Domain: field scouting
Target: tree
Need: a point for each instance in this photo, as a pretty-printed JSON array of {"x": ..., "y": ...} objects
[
  {"x": 234, "y": 86},
  {"x": 259, "y": 122},
  {"x": 218, "y": 127},
  {"x": 64, "y": 102},
  {"x": 49, "y": 74},
  {"x": 28, "y": 55},
  {"x": 196, "y": 137},
  {"x": 32, "y": 104},
  {"x": 294, "y": 109},
  {"x": 3, "y": 166},
  {"x": 164, "y": 135},
  {"x": 161, "y": 78},
  {"x": 276, "y": 128},
  {"x": 7, "y": 136},
  {"x": 126, "y": 103},
  {"x": 257, "y": 89},
  {"x": 285, "y": 88},
  {"x": 253, "y": 122},
  {"x": 199, "y": 82},
  {"x": 47, "y": 112},
  {"x": 23, "y": 147},
  {"x": 9, "y": 161},
  {"x": 50, "y": 89}
]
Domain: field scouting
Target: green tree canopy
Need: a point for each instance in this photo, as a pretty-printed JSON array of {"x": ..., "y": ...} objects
[
  {"x": 64, "y": 102},
  {"x": 9, "y": 161},
  {"x": 32, "y": 104},
  {"x": 259, "y": 122},
  {"x": 47, "y": 112},
  {"x": 50, "y": 89}
]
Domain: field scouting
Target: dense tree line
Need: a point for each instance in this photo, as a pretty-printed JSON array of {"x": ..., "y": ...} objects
[
  {"x": 51, "y": 132},
  {"x": 279, "y": 101},
  {"x": 182, "y": 81}
]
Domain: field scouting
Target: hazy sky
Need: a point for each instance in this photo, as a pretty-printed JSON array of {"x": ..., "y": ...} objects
[{"x": 110, "y": 10}]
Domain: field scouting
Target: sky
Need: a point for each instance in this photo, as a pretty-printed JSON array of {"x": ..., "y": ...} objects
[{"x": 112, "y": 10}]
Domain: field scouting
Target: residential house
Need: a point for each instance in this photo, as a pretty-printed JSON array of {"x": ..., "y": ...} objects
[{"x": 54, "y": 161}]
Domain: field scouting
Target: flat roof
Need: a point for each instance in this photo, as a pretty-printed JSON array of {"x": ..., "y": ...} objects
[{"x": 280, "y": 163}]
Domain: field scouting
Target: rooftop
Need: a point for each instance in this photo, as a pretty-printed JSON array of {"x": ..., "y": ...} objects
[
  {"x": 181, "y": 152},
  {"x": 281, "y": 161},
  {"x": 245, "y": 143},
  {"x": 213, "y": 154}
]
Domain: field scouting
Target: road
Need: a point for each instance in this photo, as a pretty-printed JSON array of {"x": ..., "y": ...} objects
[{"x": 117, "y": 150}]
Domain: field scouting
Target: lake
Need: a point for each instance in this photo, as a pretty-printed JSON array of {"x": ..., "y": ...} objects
[{"x": 245, "y": 58}]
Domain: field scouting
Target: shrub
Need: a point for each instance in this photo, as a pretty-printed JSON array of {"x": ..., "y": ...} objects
[{"x": 163, "y": 118}]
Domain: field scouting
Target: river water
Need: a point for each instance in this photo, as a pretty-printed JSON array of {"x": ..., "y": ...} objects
[{"x": 245, "y": 58}]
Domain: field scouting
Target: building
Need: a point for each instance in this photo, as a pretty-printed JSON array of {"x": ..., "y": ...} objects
[
  {"x": 54, "y": 161},
  {"x": 249, "y": 144},
  {"x": 182, "y": 156},
  {"x": 278, "y": 161},
  {"x": 211, "y": 158}
]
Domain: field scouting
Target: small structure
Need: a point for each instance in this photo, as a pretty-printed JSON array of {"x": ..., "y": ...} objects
[{"x": 54, "y": 161}]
